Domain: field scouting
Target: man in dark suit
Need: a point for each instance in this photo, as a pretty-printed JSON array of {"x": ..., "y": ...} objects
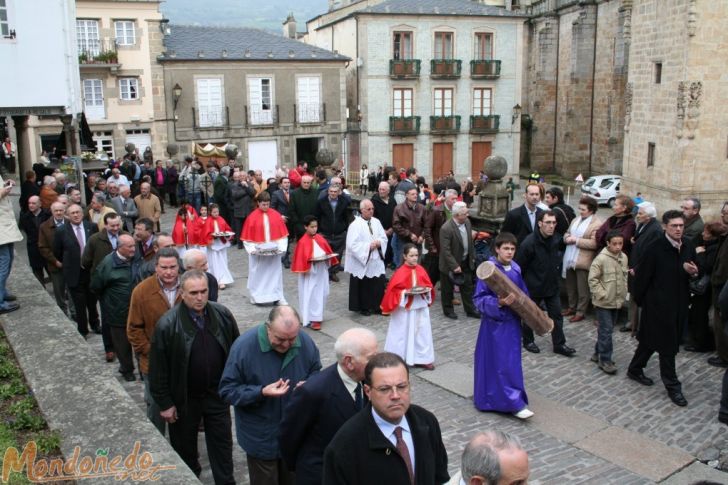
[
  {"x": 29, "y": 223},
  {"x": 457, "y": 256},
  {"x": 221, "y": 193},
  {"x": 46, "y": 235},
  {"x": 323, "y": 404},
  {"x": 279, "y": 201},
  {"x": 390, "y": 441},
  {"x": 521, "y": 221},
  {"x": 332, "y": 215},
  {"x": 125, "y": 206},
  {"x": 69, "y": 242},
  {"x": 242, "y": 194}
]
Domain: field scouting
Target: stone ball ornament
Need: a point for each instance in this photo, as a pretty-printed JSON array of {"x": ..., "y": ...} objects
[
  {"x": 172, "y": 149},
  {"x": 231, "y": 151},
  {"x": 325, "y": 157},
  {"x": 130, "y": 147},
  {"x": 495, "y": 167}
]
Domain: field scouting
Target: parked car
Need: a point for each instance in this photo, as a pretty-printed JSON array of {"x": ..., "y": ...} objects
[{"x": 603, "y": 188}]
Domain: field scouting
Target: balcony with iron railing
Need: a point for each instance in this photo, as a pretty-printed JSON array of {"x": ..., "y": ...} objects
[
  {"x": 258, "y": 117},
  {"x": 404, "y": 125},
  {"x": 445, "y": 68},
  {"x": 404, "y": 68},
  {"x": 484, "y": 124},
  {"x": 309, "y": 113},
  {"x": 444, "y": 125},
  {"x": 211, "y": 119},
  {"x": 98, "y": 53},
  {"x": 485, "y": 69}
]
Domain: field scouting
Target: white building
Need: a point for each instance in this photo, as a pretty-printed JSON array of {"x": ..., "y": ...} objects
[
  {"x": 435, "y": 84},
  {"x": 40, "y": 70}
]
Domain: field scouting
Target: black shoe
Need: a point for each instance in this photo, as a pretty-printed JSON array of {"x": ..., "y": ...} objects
[
  {"x": 532, "y": 347},
  {"x": 333, "y": 277},
  {"x": 9, "y": 307},
  {"x": 625, "y": 328},
  {"x": 473, "y": 315},
  {"x": 717, "y": 362},
  {"x": 641, "y": 378},
  {"x": 240, "y": 245},
  {"x": 564, "y": 350},
  {"x": 365, "y": 313},
  {"x": 96, "y": 328},
  {"x": 10, "y": 297},
  {"x": 678, "y": 398},
  {"x": 723, "y": 419},
  {"x": 695, "y": 348},
  {"x": 129, "y": 377},
  {"x": 451, "y": 315}
]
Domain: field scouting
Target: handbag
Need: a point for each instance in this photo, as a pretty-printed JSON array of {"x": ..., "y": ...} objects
[{"x": 700, "y": 285}]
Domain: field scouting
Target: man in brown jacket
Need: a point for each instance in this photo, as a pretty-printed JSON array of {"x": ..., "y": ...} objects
[
  {"x": 46, "y": 232},
  {"x": 408, "y": 223},
  {"x": 148, "y": 204},
  {"x": 151, "y": 299},
  {"x": 435, "y": 217}
]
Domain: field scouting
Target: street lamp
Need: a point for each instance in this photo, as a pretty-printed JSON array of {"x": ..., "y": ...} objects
[
  {"x": 176, "y": 94},
  {"x": 516, "y": 113}
]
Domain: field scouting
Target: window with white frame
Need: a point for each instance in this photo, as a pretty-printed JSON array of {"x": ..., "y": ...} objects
[
  {"x": 482, "y": 101},
  {"x": 308, "y": 95},
  {"x": 128, "y": 88},
  {"x": 483, "y": 46},
  {"x": 4, "y": 21},
  {"x": 124, "y": 30},
  {"x": 87, "y": 37},
  {"x": 209, "y": 102},
  {"x": 104, "y": 142},
  {"x": 402, "y": 106},
  {"x": 93, "y": 99},
  {"x": 402, "y": 47},
  {"x": 443, "y": 102},
  {"x": 443, "y": 45},
  {"x": 260, "y": 90}
]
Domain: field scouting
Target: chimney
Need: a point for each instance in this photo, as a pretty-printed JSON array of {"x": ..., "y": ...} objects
[{"x": 289, "y": 27}]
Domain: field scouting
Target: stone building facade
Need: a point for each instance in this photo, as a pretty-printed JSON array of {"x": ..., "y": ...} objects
[
  {"x": 676, "y": 127},
  {"x": 279, "y": 100}
]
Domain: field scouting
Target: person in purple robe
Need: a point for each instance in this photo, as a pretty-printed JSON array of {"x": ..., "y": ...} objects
[{"x": 498, "y": 374}]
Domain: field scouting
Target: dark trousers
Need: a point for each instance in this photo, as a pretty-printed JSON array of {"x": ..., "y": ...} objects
[
  {"x": 553, "y": 308},
  {"x": 667, "y": 366},
  {"x": 237, "y": 228},
  {"x": 268, "y": 472},
  {"x": 721, "y": 339},
  {"x": 39, "y": 274},
  {"x": 337, "y": 243},
  {"x": 389, "y": 255},
  {"x": 723, "y": 413},
  {"x": 122, "y": 348},
  {"x": 59, "y": 291},
  {"x": 700, "y": 334},
  {"x": 218, "y": 436},
  {"x": 466, "y": 291},
  {"x": 85, "y": 304},
  {"x": 431, "y": 263},
  {"x": 106, "y": 337},
  {"x": 172, "y": 191}
]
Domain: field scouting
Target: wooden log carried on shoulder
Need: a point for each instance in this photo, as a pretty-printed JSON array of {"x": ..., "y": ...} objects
[{"x": 524, "y": 307}]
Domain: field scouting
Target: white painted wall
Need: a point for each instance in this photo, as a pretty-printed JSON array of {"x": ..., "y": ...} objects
[{"x": 40, "y": 64}]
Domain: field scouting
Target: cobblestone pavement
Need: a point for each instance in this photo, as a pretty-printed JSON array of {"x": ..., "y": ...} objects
[{"x": 580, "y": 408}]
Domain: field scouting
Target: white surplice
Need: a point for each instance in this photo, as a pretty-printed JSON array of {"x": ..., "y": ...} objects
[
  {"x": 217, "y": 259},
  {"x": 313, "y": 289},
  {"x": 410, "y": 334},
  {"x": 359, "y": 261},
  {"x": 265, "y": 273}
]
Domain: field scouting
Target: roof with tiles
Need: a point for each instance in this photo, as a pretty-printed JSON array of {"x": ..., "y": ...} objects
[
  {"x": 188, "y": 43},
  {"x": 440, "y": 7}
]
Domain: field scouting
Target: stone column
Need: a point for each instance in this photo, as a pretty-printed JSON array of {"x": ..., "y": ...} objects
[{"x": 23, "y": 161}]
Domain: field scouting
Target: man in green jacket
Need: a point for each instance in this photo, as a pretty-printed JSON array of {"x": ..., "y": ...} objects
[
  {"x": 303, "y": 202},
  {"x": 112, "y": 281}
]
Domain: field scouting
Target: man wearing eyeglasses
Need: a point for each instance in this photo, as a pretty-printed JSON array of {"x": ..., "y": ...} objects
[
  {"x": 264, "y": 366},
  {"x": 540, "y": 260},
  {"x": 390, "y": 442}
]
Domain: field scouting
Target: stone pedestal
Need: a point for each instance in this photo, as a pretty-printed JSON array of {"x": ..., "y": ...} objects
[{"x": 492, "y": 202}]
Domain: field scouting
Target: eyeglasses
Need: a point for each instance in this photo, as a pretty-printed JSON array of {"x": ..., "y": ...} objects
[{"x": 402, "y": 388}]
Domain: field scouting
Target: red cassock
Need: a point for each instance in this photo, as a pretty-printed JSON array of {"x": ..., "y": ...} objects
[
  {"x": 402, "y": 280},
  {"x": 205, "y": 236},
  {"x": 199, "y": 233},
  {"x": 254, "y": 231},
  {"x": 304, "y": 252},
  {"x": 181, "y": 221}
]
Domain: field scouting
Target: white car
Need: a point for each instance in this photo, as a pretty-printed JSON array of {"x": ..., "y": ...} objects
[{"x": 603, "y": 188}]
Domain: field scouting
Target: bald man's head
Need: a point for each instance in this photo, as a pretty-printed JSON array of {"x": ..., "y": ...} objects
[{"x": 33, "y": 203}]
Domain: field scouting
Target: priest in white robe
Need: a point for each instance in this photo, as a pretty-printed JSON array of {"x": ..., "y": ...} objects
[
  {"x": 366, "y": 245},
  {"x": 265, "y": 238}
]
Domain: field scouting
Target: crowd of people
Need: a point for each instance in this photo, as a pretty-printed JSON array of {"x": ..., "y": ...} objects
[{"x": 157, "y": 293}]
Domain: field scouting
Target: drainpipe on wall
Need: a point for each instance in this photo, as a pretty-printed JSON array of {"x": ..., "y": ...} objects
[{"x": 594, "y": 71}]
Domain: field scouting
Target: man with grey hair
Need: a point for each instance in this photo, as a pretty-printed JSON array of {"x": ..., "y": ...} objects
[
  {"x": 492, "y": 458},
  {"x": 435, "y": 218},
  {"x": 366, "y": 245},
  {"x": 97, "y": 209},
  {"x": 196, "y": 259},
  {"x": 118, "y": 178},
  {"x": 694, "y": 224},
  {"x": 648, "y": 230},
  {"x": 384, "y": 205},
  {"x": 323, "y": 404},
  {"x": 124, "y": 205},
  {"x": 48, "y": 194},
  {"x": 265, "y": 365},
  {"x": 457, "y": 261}
]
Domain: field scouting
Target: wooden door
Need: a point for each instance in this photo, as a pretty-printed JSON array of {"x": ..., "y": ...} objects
[
  {"x": 481, "y": 151},
  {"x": 403, "y": 155},
  {"x": 441, "y": 160}
]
